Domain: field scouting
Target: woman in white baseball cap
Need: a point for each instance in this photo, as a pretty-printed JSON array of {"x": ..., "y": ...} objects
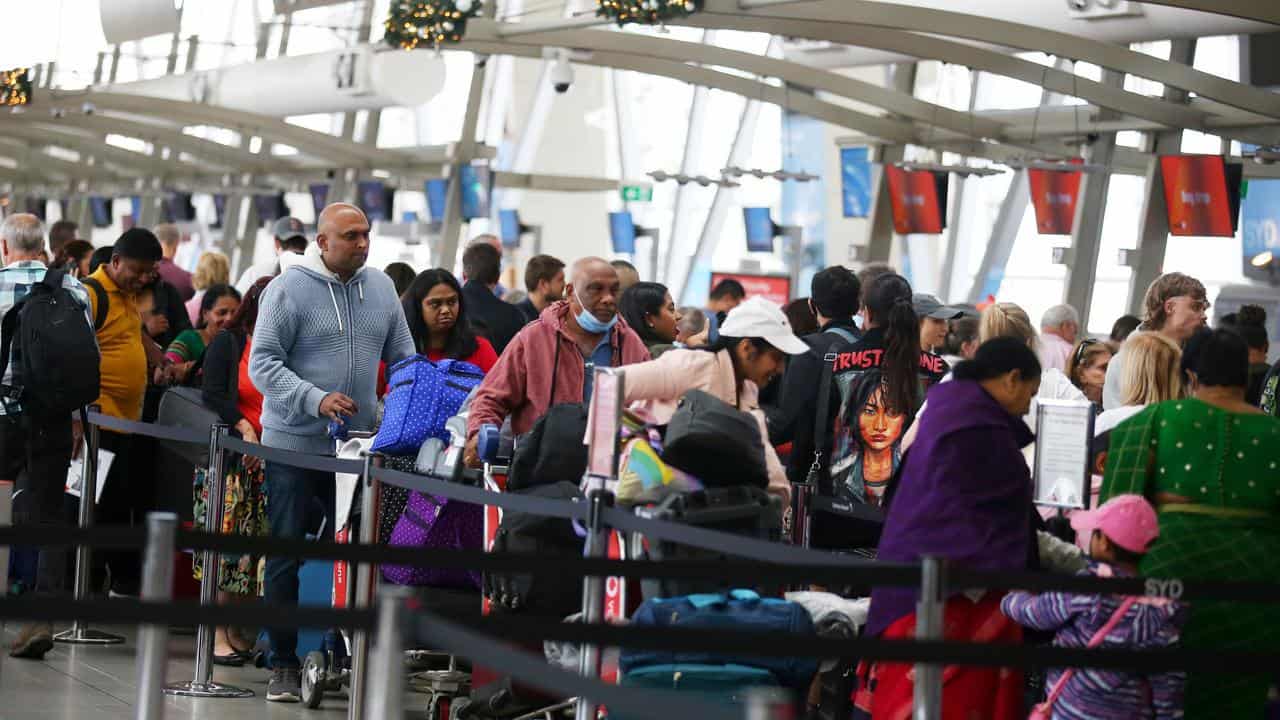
[{"x": 751, "y": 350}]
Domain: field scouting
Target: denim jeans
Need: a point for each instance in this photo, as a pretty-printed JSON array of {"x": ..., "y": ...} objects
[
  {"x": 291, "y": 493},
  {"x": 36, "y": 453}
]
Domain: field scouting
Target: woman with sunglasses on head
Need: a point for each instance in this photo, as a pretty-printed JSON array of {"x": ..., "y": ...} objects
[
  {"x": 437, "y": 316},
  {"x": 1175, "y": 306},
  {"x": 1087, "y": 368}
]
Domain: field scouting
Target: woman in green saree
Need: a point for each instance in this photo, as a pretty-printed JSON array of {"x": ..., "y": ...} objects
[{"x": 1210, "y": 463}]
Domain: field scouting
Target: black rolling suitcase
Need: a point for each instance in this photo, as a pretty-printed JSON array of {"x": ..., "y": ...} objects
[{"x": 740, "y": 510}]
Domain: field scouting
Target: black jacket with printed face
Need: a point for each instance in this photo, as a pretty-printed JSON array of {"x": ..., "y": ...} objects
[{"x": 795, "y": 417}]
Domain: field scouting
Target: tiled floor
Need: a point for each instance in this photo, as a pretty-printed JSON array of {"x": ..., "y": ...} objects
[{"x": 100, "y": 683}]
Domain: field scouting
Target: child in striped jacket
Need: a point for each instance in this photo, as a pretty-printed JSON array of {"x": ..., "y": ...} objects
[{"x": 1120, "y": 531}]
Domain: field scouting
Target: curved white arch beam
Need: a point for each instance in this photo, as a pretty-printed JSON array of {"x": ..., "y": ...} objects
[
  {"x": 53, "y": 166},
  {"x": 338, "y": 151},
  {"x": 793, "y": 73},
  {"x": 88, "y": 145},
  {"x": 887, "y": 129},
  {"x": 1009, "y": 34},
  {"x": 971, "y": 56},
  {"x": 215, "y": 153},
  {"x": 1260, "y": 10}
]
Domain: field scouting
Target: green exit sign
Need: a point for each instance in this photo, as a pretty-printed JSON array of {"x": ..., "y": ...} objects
[{"x": 636, "y": 193}]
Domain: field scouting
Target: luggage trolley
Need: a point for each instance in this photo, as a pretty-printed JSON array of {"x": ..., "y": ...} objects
[{"x": 328, "y": 670}]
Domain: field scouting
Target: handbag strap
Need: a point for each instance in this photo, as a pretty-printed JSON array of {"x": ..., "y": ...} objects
[
  {"x": 555, "y": 372},
  {"x": 820, "y": 419},
  {"x": 1094, "y": 642}
]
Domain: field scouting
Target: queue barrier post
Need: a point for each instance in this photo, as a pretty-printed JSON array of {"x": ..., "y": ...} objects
[
  {"x": 593, "y": 586},
  {"x": 385, "y": 695},
  {"x": 153, "y": 640},
  {"x": 80, "y": 633},
  {"x": 365, "y": 587},
  {"x": 927, "y": 700},
  {"x": 202, "y": 685}
]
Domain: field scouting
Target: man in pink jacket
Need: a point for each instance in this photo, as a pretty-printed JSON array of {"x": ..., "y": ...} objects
[{"x": 548, "y": 362}]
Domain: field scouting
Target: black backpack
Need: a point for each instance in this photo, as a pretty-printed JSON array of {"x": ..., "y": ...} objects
[
  {"x": 715, "y": 442},
  {"x": 552, "y": 451},
  {"x": 57, "y": 350}
]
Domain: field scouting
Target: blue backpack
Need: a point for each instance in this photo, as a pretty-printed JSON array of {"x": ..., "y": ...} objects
[
  {"x": 421, "y": 396},
  {"x": 736, "y": 609}
]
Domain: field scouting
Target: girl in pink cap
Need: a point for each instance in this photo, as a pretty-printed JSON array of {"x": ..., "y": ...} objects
[{"x": 1120, "y": 532}]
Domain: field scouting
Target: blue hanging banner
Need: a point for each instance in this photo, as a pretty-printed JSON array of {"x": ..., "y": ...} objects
[
  {"x": 855, "y": 181},
  {"x": 1261, "y": 227}
]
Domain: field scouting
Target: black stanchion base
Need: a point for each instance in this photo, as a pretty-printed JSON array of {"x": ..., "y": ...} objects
[
  {"x": 191, "y": 688},
  {"x": 87, "y": 636}
]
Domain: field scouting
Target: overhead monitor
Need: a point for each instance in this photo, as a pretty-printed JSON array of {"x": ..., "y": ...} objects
[
  {"x": 219, "y": 209},
  {"x": 855, "y": 181},
  {"x": 100, "y": 210},
  {"x": 510, "y": 228},
  {"x": 270, "y": 207},
  {"x": 437, "y": 195},
  {"x": 1053, "y": 194},
  {"x": 622, "y": 231},
  {"x": 319, "y": 197},
  {"x": 919, "y": 200},
  {"x": 761, "y": 229},
  {"x": 477, "y": 185},
  {"x": 375, "y": 199},
  {"x": 1202, "y": 194},
  {"x": 177, "y": 207},
  {"x": 36, "y": 206}
]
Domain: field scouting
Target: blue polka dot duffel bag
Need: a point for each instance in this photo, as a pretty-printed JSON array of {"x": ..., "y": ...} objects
[{"x": 421, "y": 397}]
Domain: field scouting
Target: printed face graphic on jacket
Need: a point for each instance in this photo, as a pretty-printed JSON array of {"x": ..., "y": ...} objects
[{"x": 880, "y": 426}]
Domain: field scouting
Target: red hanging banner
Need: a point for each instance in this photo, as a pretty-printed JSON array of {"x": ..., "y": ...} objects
[
  {"x": 1054, "y": 193},
  {"x": 1202, "y": 194},
  {"x": 919, "y": 199}
]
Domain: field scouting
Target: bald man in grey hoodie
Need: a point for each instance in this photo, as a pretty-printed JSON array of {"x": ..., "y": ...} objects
[{"x": 322, "y": 329}]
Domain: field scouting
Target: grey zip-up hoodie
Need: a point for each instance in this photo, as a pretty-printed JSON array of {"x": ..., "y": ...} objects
[{"x": 316, "y": 335}]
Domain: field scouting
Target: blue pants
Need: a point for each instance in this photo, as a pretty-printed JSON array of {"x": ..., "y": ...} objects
[{"x": 292, "y": 495}]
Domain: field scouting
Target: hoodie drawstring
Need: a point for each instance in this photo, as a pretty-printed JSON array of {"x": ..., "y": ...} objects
[
  {"x": 336, "y": 310},
  {"x": 361, "y": 286}
]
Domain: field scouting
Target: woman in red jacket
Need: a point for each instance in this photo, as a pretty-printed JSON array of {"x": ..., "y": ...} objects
[{"x": 437, "y": 316}]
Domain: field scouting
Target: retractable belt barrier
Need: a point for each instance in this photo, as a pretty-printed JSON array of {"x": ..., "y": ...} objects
[
  {"x": 486, "y": 639},
  {"x": 502, "y": 629},
  {"x": 784, "y": 563}
]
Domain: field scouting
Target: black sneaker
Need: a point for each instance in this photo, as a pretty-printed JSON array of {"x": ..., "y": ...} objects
[{"x": 285, "y": 685}]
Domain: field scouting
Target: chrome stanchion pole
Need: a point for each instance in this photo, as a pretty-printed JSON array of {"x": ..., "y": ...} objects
[
  {"x": 593, "y": 588},
  {"x": 153, "y": 640},
  {"x": 928, "y": 682},
  {"x": 80, "y": 633},
  {"x": 385, "y": 698},
  {"x": 366, "y": 585},
  {"x": 202, "y": 685}
]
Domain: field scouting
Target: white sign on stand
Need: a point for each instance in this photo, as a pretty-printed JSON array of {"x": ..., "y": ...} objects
[
  {"x": 1064, "y": 432},
  {"x": 606, "y": 416}
]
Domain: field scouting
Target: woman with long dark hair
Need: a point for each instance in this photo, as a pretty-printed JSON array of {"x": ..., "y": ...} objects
[
  {"x": 964, "y": 495},
  {"x": 218, "y": 306},
  {"x": 649, "y": 310},
  {"x": 229, "y": 392},
  {"x": 437, "y": 316},
  {"x": 882, "y": 379}
]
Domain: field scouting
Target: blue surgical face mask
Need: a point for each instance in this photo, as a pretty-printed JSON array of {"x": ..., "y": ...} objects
[{"x": 590, "y": 322}]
